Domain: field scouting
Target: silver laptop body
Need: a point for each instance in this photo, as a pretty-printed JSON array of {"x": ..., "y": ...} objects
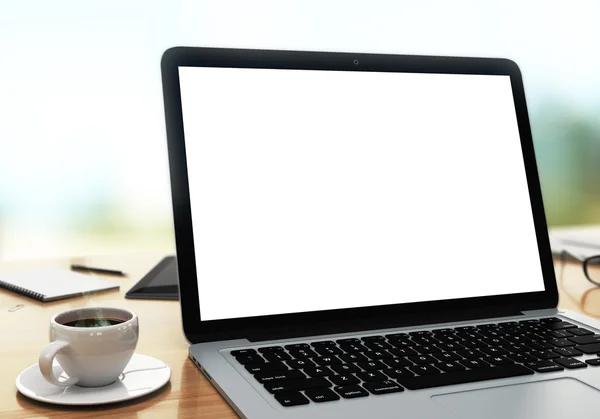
[{"x": 342, "y": 223}]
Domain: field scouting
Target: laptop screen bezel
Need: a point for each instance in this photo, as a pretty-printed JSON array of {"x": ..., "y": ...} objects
[{"x": 339, "y": 320}]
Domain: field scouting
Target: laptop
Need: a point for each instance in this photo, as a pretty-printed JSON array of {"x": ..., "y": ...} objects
[{"x": 341, "y": 229}]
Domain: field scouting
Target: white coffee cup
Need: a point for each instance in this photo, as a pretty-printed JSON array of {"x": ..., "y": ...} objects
[{"x": 90, "y": 356}]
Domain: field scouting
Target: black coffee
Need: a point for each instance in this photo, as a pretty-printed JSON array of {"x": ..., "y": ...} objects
[{"x": 95, "y": 322}]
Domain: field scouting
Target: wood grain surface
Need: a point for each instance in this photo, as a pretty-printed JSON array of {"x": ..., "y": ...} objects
[{"x": 24, "y": 332}]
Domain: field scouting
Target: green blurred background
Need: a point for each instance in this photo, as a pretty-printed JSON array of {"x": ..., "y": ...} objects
[
  {"x": 83, "y": 165},
  {"x": 567, "y": 143}
]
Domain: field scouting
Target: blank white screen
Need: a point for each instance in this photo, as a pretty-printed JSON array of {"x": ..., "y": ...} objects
[{"x": 315, "y": 190}]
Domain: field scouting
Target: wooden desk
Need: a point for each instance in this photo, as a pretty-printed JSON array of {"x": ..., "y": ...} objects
[
  {"x": 24, "y": 333},
  {"x": 189, "y": 395}
]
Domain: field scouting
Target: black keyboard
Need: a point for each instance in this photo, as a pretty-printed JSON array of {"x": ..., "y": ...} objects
[{"x": 349, "y": 368}]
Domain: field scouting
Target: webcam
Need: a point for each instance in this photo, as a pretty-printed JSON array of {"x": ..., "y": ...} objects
[{"x": 355, "y": 62}]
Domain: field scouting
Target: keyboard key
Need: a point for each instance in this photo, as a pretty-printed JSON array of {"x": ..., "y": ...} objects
[
  {"x": 450, "y": 366},
  {"x": 519, "y": 340},
  {"x": 238, "y": 352},
  {"x": 593, "y": 348},
  {"x": 495, "y": 341},
  {"x": 397, "y": 362},
  {"x": 470, "y": 335},
  {"x": 277, "y": 356},
  {"x": 297, "y": 364},
  {"x": 470, "y": 353},
  {"x": 270, "y": 349},
  {"x": 323, "y": 343},
  {"x": 474, "y": 363},
  {"x": 352, "y": 348},
  {"x": 487, "y": 326},
  {"x": 447, "y": 356},
  {"x": 395, "y": 336},
  {"x": 383, "y": 387},
  {"x": 249, "y": 359},
  {"x": 465, "y": 328},
  {"x": 424, "y": 369},
  {"x": 398, "y": 372},
  {"x": 401, "y": 343},
  {"x": 472, "y": 344},
  {"x": 559, "y": 325},
  {"x": 526, "y": 328},
  {"x": 266, "y": 377},
  {"x": 328, "y": 350},
  {"x": 342, "y": 380},
  {"x": 296, "y": 385},
  {"x": 570, "y": 363},
  {"x": 579, "y": 332},
  {"x": 378, "y": 345},
  {"x": 450, "y": 338},
  {"x": 371, "y": 376},
  {"x": 371, "y": 365},
  {"x": 516, "y": 331},
  {"x": 353, "y": 357},
  {"x": 561, "y": 343},
  {"x": 508, "y": 324},
  {"x": 297, "y": 346},
  {"x": 427, "y": 349},
  {"x": 584, "y": 340},
  {"x": 373, "y": 338},
  {"x": 443, "y": 331},
  {"x": 517, "y": 348},
  {"x": 535, "y": 329},
  {"x": 539, "y": 346},
  {"x": 266, "y": 367},
  {"x": 422, "y": 359},
  {"x": 567, "y": 352},
  {"x": 521, "y": 358},
  {"x": 319, "y": 395},
  {"x": 550, "y": 320},
  {"x": 544, "y": 366},
  {"x": 530, "y": 321},
  {"x": 564, "y": 333},
  {"x": 345, "y": 368},
  {"x": 303, "y": 353},
  {"x": 327, "y": 360},
  {"x": 378, "y": 354},
  {"x": 451, "y": 347},
  {"x": 291, "y": 399},
  {"x": 314, "y": 372},
  {"x": 351, "y": 391},
  {"x": 399, "y": 352},
  {"x": 492, "y": 333},
  {"x": 498, "y": 360},
  {"x": 461, "y": 377},
  {"x": 421, "y": 333},
  {"x": 494, "y": 351},
  {"x": 349, "y": 340},
  {"x": 595, "y": 362},
  {"x": 545, "y": 354},
  {"x": 424, "y": 340}
]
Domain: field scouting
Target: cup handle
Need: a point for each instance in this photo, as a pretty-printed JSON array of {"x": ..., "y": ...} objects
[{"x": 45, "y": 363}]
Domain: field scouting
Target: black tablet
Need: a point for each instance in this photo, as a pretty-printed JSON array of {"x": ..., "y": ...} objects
[{"x": 159, "y": 284}]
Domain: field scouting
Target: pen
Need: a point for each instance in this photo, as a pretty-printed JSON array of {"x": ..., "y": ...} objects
[{"x": 82, "y": 268}]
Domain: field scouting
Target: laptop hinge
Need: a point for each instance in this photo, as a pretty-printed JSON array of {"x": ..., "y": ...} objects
[{"x": 360, "y": 325}]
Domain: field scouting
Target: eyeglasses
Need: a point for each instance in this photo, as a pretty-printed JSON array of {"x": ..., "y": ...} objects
[
  {"x": 590, "y": 265},
  {"x": 582, "y": 291},
  {"x": 591, "y": 269}
]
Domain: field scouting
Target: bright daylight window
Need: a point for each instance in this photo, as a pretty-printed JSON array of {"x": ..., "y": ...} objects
[{"x": 83, "y": 166}]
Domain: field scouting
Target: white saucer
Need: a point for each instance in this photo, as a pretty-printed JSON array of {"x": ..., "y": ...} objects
[{"x": 141, "y": 376}]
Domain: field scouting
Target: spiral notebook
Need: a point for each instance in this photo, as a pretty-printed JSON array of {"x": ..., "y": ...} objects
[{"x": 53, "y": 284}]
